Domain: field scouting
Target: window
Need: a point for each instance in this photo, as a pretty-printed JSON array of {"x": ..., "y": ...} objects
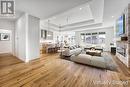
[
  {"x": 102, "y": 38},
  {"x": 88, "y": 38},
  {"x": 83, "y": 37},
  {"x": 93, "y": 38}
]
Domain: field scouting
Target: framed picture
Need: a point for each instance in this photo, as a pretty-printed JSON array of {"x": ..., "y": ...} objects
[
  {"x": 4, "y": 36},
  {"x": 43, "y": 34}
]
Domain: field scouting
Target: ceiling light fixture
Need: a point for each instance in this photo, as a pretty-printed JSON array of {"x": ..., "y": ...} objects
[
  {"x": 48, "y": 34},
  {"x": 112, "y": 16},
  {"x": 80, "y": 8}
]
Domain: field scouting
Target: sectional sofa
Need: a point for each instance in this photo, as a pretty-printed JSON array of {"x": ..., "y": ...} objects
[{"x": 72, "y": 50}]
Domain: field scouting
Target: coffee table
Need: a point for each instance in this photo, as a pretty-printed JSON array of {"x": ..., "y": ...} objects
[{"x": 93, "y": 52}]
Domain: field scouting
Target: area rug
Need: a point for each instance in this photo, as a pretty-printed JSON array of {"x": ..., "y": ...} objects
[{"x": 110, "y": 64}]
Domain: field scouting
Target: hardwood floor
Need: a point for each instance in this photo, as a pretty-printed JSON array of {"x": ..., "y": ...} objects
[
  {"x": 51, "y": 71},
  {"x": 8, "y": 60}
]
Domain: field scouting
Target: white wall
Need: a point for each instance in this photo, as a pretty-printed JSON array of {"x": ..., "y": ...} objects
[
  {"x": 6, "y": 46},
  {"x": 20, "y": 37},
  {"x": 27, "y": 37},
  {"x": 33, "y": 44},
  {"x": 109, "y": 36},
  {"x": 7, "y": 26}
]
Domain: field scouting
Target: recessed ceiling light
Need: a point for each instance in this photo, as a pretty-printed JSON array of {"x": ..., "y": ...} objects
[
  {"x": 112, "y": 16},
  {"x": 80, "y": 8}
]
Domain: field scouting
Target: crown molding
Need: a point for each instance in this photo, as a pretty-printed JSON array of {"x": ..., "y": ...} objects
[
  {"x": 83, "y": 27},
  {"x": 78, "y": 23},
  {"x": 95, "y": 28}
]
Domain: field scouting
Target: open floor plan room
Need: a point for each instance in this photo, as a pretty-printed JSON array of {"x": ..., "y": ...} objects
[{"x": 64, "y": 43}]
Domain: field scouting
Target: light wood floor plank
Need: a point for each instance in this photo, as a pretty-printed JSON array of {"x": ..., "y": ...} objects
[{"x": 51, "y": 71}]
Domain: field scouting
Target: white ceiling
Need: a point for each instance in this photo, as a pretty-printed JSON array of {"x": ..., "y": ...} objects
[
  {"x": 103, "y": 12},
  {"x": 67, "y": 13},
  {"x": 46, "y": 8},
  {"x": 78, "y": 16},
  {"x": 74, "y": 15}
]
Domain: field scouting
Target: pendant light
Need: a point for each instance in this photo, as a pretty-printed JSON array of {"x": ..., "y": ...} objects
[{"x": 48, "y": 29}]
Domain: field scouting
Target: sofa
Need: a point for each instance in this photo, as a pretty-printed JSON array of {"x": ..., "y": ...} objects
[
  {"x": 89, "y": 60},
  {"x": 96, "y": 47},
  {"x": 72, "y": 50}
]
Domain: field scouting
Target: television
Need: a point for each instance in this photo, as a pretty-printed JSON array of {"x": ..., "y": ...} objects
[{"x": 120, "y": 25}]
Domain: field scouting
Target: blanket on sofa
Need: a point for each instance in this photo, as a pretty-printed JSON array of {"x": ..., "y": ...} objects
[
  {"x": 110, "y": 64},
  {"x": 105, "y": 62}
]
